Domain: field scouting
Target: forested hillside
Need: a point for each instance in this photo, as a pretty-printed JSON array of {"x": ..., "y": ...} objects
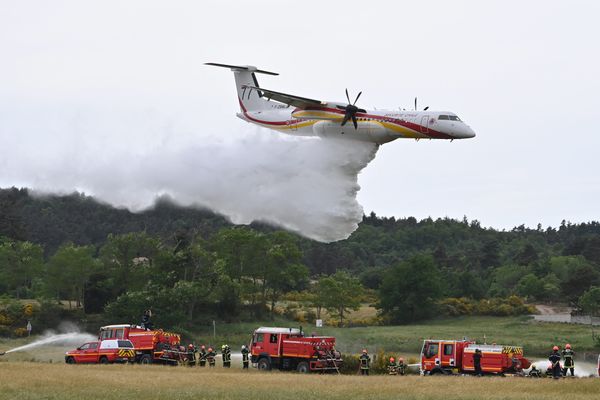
[{"x": 115, "y": 261}]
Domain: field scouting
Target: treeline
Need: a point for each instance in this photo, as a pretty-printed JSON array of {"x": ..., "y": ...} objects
[{"x": 114, "y": 261}]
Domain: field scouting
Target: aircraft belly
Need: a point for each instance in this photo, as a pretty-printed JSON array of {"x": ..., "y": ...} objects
[{"x": 367, "y": 131}]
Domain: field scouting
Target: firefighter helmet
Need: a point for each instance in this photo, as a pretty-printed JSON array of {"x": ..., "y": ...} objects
[
  {"x": 191, "y": 346},
  {"x": 392, "y": 359},
  {"x": 223, "y": 347},
  {"x": 568, "y": 346},
  {"x": 555, "y": 348},
  {"x": 243, "y": 346},
  {"x": 401, "y": 360},
  {"x": 364, "y": 351},
  {"x": 202, "y": 347}
]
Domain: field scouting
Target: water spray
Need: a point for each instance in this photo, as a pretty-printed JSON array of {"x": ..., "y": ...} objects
[{"x": 52, "y": 338}]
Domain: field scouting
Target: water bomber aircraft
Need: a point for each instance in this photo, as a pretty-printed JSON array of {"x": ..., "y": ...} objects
[{"x": 303, "y": 116}]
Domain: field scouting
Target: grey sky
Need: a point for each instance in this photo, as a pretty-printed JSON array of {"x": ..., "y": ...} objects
[{"x": 523, "y": 74}]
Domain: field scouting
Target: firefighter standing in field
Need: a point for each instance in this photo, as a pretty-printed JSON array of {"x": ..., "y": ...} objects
[
  {"x": 477, "y": 362},
  {"x": 226, "y": 353},
  {"x": 202, "y": 356},
  {"x": 401, "y": 366},
  {"x": 555, "y": 363},
  {"x": 245, "y": 357},
  {"x": 210, "y": 356},
  {"x": 191, "y": 356},
  {"x": 568, "y": 364},
  {"x": 365, "y": 362},
  {"x": 392, "y": 367}
]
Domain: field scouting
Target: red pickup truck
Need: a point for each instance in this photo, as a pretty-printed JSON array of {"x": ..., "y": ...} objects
[{"x": 103, "y": 352}]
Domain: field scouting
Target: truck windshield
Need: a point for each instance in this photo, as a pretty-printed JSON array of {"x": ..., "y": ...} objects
[{"x": 431, "y": 350}]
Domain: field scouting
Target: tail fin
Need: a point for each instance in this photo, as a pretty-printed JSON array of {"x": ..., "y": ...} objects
[{"x": 250, "y": 99}]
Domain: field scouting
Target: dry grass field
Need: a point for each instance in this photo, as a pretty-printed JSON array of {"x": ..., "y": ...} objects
[{"x": 24, "y": 381}]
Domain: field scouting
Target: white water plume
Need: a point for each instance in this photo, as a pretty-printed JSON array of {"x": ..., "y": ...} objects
[
  {"x": 50, "y": 338},
  {"x": 306, "y": 185},
  {"x": 583, "y": 369}
]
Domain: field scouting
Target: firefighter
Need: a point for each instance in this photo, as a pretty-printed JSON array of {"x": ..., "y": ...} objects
[
  {"x": 146, "y": 323},
  {"x": 392, "y": 367},
  {"x": 401, "y": 366},
  {"x": 477, "y": 362},
  {"x": 210, "y": 357},
  {"x": 555, "y": 361},
  {"x": 568, "y": 364},
  {"x": 535, "y": 373},
  {"x": 245, "y": 357},
  {"x": 226, "y": 353},
  {"x": 191, "y": 356},
  {"x": 365, "y": 362},
  {"x": 202, "y": 356}
]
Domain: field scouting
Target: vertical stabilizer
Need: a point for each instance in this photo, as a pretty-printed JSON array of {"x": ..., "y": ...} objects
[{"x": 250, "y": 99}]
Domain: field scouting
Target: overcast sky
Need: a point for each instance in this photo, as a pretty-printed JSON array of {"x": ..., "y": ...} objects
[{"x": 522, "y": 74}]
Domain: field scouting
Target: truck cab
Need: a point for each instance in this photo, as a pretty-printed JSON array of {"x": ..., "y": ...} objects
[{"x": 442, "y": 356}]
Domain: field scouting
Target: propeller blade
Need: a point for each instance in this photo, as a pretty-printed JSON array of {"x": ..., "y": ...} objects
[
  {"x": 362, "y": 110},
  {"x": 341, "y": 107},
  {"x": 346, "y": 118},
  {"x": 426, "y": 108},
  {"x": 415, "y": 104},
  {"x": 359, "y": 93},
  {"x": 354, "y": 121},
  {"x": 348, "y": 97}
]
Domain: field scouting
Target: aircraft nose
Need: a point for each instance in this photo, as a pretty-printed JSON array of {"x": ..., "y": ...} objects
[{"x": 466, "y": 133}]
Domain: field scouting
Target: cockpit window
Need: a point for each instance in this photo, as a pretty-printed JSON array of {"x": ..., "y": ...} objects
[{"x": 449, "y": 117}]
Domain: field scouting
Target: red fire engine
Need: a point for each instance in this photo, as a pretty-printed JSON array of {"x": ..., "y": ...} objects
[
  {"x": 150, "y": 346},
  {"x": 456, "y": 356},
  {"x": 289, "y": 349},
  {"x": 104, "y": 352}
]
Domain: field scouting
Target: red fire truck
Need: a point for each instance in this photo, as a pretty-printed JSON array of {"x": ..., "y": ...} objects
[
  {"x": 103, "y": 352},
  {"x": 456, "y": 356},
  {"x": 290, "y": 349},
  {"x": 150, "y": 346}
]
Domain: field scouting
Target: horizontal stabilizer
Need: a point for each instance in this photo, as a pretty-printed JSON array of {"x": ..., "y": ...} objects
[{"x": 248, "y": 68}]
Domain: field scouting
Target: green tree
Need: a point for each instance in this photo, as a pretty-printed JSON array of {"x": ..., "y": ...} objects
[
  {"x": 590, "y": 301},
  {"x": 410, "y": 290},
  {"x": 69, "y": 270},
  {"x": 531, "y": 286},
  {"x": 20, "y": 264},
  {"x": 338, "y": 294}
]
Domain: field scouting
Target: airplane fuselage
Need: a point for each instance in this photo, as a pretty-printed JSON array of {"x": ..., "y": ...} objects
[{"x": 379, "y": 126}]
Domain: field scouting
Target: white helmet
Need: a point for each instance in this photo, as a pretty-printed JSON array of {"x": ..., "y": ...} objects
[{"x": 243, "y": 346}]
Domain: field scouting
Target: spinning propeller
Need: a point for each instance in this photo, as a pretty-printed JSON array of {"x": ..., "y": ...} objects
[{"x": 351, "y": 110}]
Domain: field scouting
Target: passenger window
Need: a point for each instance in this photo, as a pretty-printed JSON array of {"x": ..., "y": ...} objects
[
  {"x": 273, "y": 338},
  {"x": 444, "y": 117},
  {"x": 84, "y": 347},
  {"x": 448, "y": 349},
  {"x": 259, "y": 337},
  {"x": 119, "y": 333},
  {"x": 93, "y": 345}
]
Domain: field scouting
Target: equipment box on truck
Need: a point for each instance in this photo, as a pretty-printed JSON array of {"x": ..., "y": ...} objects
[{"x": 149, "y": 346}]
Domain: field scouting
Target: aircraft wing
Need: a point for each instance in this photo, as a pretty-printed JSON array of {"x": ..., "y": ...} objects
[{"x": 290, "y": 99}]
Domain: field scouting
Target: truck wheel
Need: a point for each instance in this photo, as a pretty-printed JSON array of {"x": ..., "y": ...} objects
[
  {"x": 145, "y": 359},
  {"x": 303, "y": 367},
  {"x": 70, "y": 360},
  {"x": 264, "y": 364},
  {"x": 103, "y": 360}
]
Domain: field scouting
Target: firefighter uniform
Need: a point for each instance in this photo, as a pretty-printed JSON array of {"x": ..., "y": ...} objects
[
  {"x": 535, "y": 373},
  {"x": 555, "y": 363},
  {"x": 245, "y": 357},
  {"x": 226, "y": 353},
  {"x": 392, "y": 367},
  {"x": 202, "y": 357},
  {"x": 365, "y": 362},
  {"x": 210, "y": 357},
  {"x": 477, "y": 362},
  {"x": 568, "y": 364},
  {"x": 191, "y": 356},
  {"x": 401, "y": 367}
]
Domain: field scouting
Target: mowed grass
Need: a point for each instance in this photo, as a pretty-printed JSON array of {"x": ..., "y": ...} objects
[
  {"x": 536, "y": 337},
  {"x": 25, "y": 381}
]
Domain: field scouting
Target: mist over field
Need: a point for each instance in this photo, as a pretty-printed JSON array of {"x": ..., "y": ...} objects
[{"x": 128, "y": 159}]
